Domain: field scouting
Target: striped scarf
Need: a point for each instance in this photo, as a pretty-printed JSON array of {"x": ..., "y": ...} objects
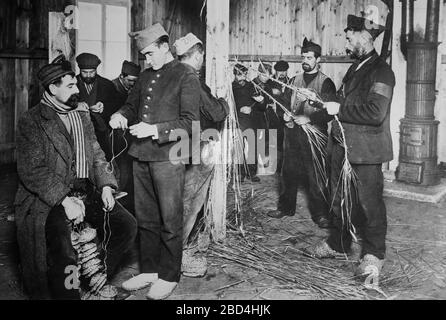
[
  {"x": 77, "y": 132},
  {"x": 88, "y": 87}
]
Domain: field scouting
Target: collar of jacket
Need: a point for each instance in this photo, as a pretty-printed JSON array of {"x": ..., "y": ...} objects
[
  {"x": 373, "y": 54},
  {"x": 167, "y": 66}
]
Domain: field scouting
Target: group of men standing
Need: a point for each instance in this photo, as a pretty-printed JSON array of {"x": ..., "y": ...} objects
[
  {"x": 65, "y": 149},
  {"x": 362, "y": 105}
]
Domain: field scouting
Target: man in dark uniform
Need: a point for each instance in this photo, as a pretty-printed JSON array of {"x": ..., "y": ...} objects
[
  {"x": 122, "y": 139},
  {"x": 280, "y": 93},
  {"x": 100, "y": 95},
  {"x": 163, "y": 103},
  {"x": 364, "y": 111},
  {"x": 63, "y": 181},
  {"x": 213, "y": 112},
  {"x": 270, "y": 119},
  {"x": 298, "y": 166},
  {"x": 250, "y": 106}
]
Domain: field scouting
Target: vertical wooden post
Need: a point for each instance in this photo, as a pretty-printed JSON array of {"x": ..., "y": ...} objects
[
  {"x": 217, "y": 57},
  {"x": 22, "y": 65},
  {"x": 217, "y": 43}
]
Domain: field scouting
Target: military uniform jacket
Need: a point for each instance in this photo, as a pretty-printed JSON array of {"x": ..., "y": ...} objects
[
  {"x": 47, "y": 170},
  {"x": 365, "y": 98},
  {"x": 168, "y": 98}
]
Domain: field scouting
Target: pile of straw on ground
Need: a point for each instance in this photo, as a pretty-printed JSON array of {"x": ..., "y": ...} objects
[{"x": 256, "y": 248}]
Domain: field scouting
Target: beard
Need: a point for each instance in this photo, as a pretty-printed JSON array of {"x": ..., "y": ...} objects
[
  {"x": 88, "y": 80},
  {"x": 307, "y": 67},
  {"x": 357, "y": 52},
  {"x": 72, "y": 101}
]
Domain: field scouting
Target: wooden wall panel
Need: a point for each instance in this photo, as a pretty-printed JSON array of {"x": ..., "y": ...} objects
[{"x": 264, "y": 27}]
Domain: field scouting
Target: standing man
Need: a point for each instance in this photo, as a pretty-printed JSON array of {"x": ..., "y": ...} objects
[
  {"x": 364, "y": 111},
  {"x": 249, "y": 105},
  {"x": 126, "y": 80},
  {"x": 123, "y": 84},
  {"x": 273, "y": 113},
  {"x": 213, "y": 112},
  {"x": 163, "y": 104},
  {"x": 298, "y": 166},
  {"x": 58, "y": 161},
  {"x": 281, "y": 68},
  {"x": 100, "y": 95}
]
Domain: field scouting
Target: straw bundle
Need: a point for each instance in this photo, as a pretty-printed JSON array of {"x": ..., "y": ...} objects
[{"x": 228, "y": 154}]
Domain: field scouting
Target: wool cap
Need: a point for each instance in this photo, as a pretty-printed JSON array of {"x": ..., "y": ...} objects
[
  {"x": 144, "y": 38},
  {"x": 183, "y": 44},
  {"x": 130, "y": 68},
  {"x": 88, "y": 61}
]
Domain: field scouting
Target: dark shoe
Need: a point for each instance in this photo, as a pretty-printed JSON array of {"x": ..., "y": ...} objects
[
  {"x": 323, "y": 223},
  {"x": 279, "y": 214},
  {"x": 255, "y": 179}
]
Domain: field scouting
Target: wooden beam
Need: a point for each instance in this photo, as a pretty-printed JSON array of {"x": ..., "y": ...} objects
[
  {"x": 41, "y": 54},
  {"x": 217, "y": 55},
  {"x": 22, "y": 80},
  {"x": 7, "y": 146},
  {"x": 288, "y": 58}
]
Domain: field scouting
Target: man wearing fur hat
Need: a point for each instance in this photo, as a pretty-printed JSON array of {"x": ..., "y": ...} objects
[
  {"x": 100, "y": 95},
  {"x": 63, "y": 181},
  {"x": 364, "y": 112},
  {"x": 213, "y": 112},
  {"x": 298, "y": 165},
  {"x": 161, "y": 106}
]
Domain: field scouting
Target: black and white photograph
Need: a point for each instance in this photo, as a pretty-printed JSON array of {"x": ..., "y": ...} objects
[{"x": 234, "y": 152}]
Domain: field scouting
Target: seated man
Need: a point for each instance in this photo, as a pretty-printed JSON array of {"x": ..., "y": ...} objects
[{"x": 59, "y": 161}]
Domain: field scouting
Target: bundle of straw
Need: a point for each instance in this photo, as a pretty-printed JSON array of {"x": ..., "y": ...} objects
[
  {"x": 228, "y": 154},
  {"x": 316, "y": 139}
]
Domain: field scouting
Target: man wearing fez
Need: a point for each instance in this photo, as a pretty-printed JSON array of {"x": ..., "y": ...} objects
[
  {"x": 213, "y": 112},
  {"x": 100, "y": 95},
  {"x": 249, "y": 104},
  {"x": 163, "y": 103},
  {"x": 123, "y": 84},
  {"x": 364, "y": 110},
  {"x": 298, "y": 166},
  {"x": 60, "y": 161}
]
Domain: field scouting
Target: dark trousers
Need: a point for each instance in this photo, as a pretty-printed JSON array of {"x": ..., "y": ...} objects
[
  {"x": 274, "y": 123},
  {"x": 120, "y": 142},
  {"x": 125, "y": 181},
  {"x": 249, "y": 169},
  {"x": 368, "y": 212},
  {"x": 159, "y": 188},
  {"x": 196, "y": 188},
  {"x": 61, "y": 254},
  {"x": 298, "y": 170}
]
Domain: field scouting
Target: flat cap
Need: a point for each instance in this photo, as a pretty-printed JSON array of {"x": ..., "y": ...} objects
[
  {"x": 130, "y": 68},
  {"x": 88, "y": 61},
  {"x": 355, "y": 23},
  {"x": 281, "y": 66},
  {"x": 55, "y": 70},
  {"x": 183, "y": 44},
  {"x": 146, "y": 37}
]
